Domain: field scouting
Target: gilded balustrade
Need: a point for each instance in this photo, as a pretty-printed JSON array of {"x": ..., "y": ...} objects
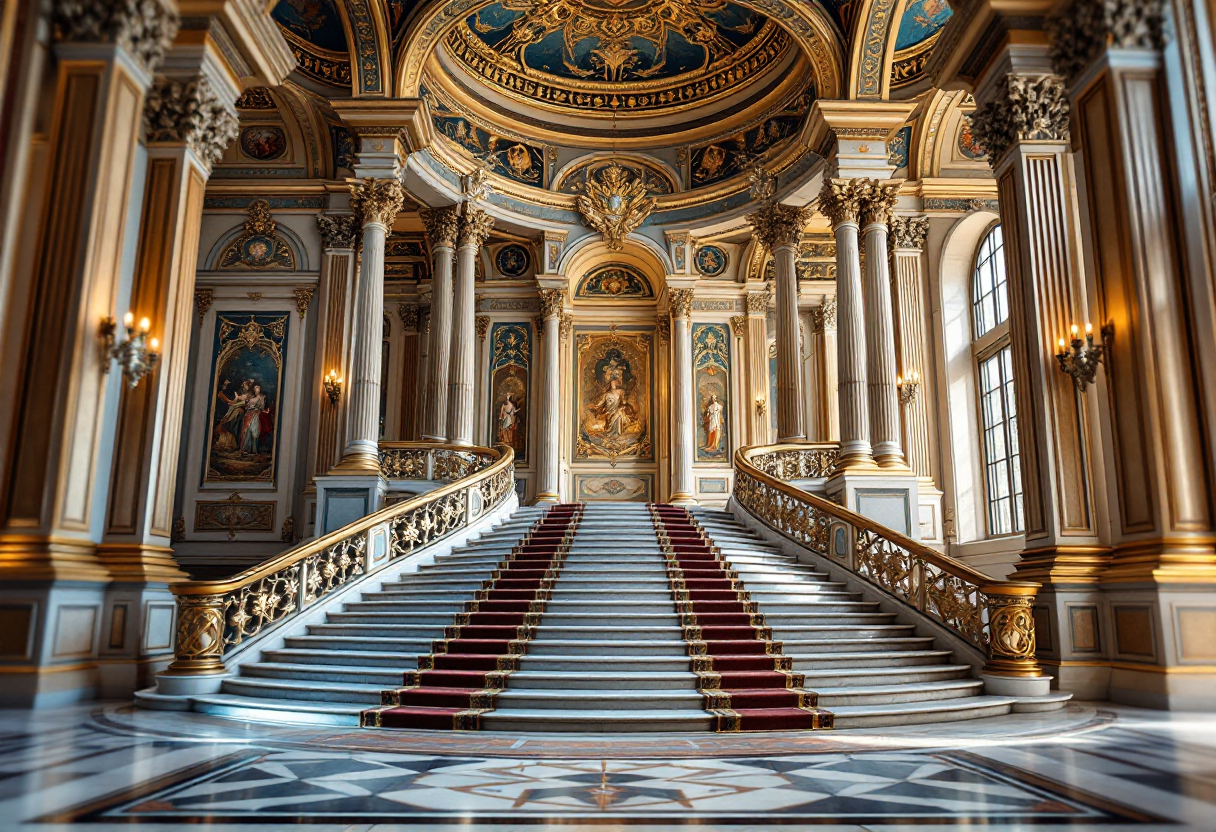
[
  {"x": 216, "y": 617},
  {"x": 995, "y": 616}
]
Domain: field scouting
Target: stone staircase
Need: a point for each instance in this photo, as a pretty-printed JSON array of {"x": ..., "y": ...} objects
[{"x": 609, "y": 652}]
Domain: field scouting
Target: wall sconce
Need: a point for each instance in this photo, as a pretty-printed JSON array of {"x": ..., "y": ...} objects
[
  {"x": 1080, "y": 359},
  {"x": 761, "y": 406},
  {"x": 137, "y": 356},
  {"x": 333, "y": 386},
  {"x": 908, "y": 389}
]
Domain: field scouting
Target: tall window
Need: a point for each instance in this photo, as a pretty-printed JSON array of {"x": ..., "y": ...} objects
[{"x": 998, "y": 405}]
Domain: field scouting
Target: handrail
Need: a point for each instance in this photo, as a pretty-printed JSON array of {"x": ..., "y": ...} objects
[
  {"x": 215, "y": 617},
  {"x": 993, "y": 615}
]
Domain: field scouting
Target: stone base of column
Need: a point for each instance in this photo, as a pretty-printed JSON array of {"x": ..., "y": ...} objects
[
  {"x": 547, "y": 498},
  {"x": 342, "y": 499},
  {"x": 682, "y": 498},
  {"x": 881, "y": 495}
]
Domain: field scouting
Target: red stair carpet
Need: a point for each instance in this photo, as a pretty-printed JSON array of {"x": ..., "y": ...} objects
[
  {"x": 745, "y": 680},
  {"x": 458, "y": 681}
]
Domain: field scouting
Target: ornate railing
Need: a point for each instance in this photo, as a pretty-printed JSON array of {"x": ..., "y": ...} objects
[
  {"x": 214, "y": 618},
  {"x": 427, "y": 461},
  {"x": 994, "y": 616}
]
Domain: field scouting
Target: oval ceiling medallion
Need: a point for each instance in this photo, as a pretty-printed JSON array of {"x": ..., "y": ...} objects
[{"x": 617, "y": 56}]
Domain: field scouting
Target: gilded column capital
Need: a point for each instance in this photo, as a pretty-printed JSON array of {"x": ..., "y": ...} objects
[
  {"x": 1079, "y": 31},
  {"x": 1021, "y": 109},
  {"x": 840, "y": 201},
  {"x": 475, "y": 228},
  {"x": 552, "y": 302},
  {"x": 757, "y": 303},
  {"x": 377, "y": 200},
  {"x": 482, "y": 322},
  {"x": 567, "y": 325},
  {"x": 190, "y": 113},
  {"x": 338, "y": 230},
  {"x": 877, "y": 201},
  {"x": 141, "y": 28},
  {"x": 738, "y": 325},
  {"x": 680, "y": 303},
  {"x": 909, "y": 232},
  {"x": 779, "y": 225},
  {"x": 823, "y": 317},
  {"x": 441, "y": 225},
  {"x": 662, "y": 328},
  {"x": 408, "y": 313}
]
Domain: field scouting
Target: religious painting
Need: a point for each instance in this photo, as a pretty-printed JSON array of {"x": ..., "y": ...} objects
[
  {"x": 246, "y": 396},
  {"x": 510, "y": 365},
  {"x": 264, "y": 142},
  {"x": 711, "y": 375},
  {"x": 613, "y": 401},
  {"x": 614, "y": 280},
  {"x": 969, "y": 146},
  {"x": 512, "y": 261},
  {"x": 922, "y": 20},
  {"x": 711, "y": 261},
  {"x": 897, "y": 150}
]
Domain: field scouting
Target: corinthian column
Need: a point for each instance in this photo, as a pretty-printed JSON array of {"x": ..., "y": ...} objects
[
  {"x": 877, "y": 200},
  {"x": 548, "y": 486},
  {"x": 779, "y": 229},
  {"x": 442, "y": 226},
  {"x": 683, "y": 435},
  {"x": 475, "y": 227},
  {"x": 377, "y": 201},
  {"x": 839, "y": 202}
]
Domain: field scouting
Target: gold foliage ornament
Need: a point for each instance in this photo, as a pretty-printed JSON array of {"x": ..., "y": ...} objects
[{"x": 615, "y": 204}]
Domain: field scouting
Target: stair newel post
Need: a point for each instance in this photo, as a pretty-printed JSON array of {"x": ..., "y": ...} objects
[
  {"x": 1011, "y": 631},
  {"x": 199, "y": 646}
]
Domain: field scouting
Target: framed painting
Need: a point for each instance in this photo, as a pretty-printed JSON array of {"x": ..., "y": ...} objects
[
  {"x": 246, "y": 395},
  {"x": 613, "y": 402},
  {"x": 711, "y": 373},
  {"x": 510, "y": 368}
]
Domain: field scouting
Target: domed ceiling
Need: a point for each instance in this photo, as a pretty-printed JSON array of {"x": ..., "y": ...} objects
[{"x": 617, "y": 57}]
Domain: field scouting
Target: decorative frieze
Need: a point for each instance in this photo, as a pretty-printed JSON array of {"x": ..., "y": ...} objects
[
  {"x": 441, "y": 226},
  {"x": 680, "y": 303},
  {"x": 909, "y": 232},
  {"x": 189, "y": 112},
  {"x": 377, "y": 200},
  {"x": 779, "y": 225},
  {"x": 552, "y": 301},
  {"x": 141, "y": 28},
  {"x": 475, "y": 227},
  {"x": 1022, "y": 109},
  {"x": 840, "y": 201},
  {"x": 1079, "y": 31},
  {"x": 338, "y": 230}
]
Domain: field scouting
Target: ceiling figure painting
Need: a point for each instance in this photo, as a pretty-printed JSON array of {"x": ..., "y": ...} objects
[
  {"x": 922, "y": 20},
  {"x": 313, "y": 21}
]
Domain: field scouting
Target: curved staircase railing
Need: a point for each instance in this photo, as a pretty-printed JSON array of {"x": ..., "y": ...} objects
[
  {"x": 214, "y": 618},
  {"x": 994, "y": 616}
]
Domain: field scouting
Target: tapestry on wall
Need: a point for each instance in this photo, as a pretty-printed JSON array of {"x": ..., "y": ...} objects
[
  {"x": 613, "y": 398},
  {"x": 246, "y": 392},
  {"x": 711, "y": 371},
  {"x": 510, "y": 365}
]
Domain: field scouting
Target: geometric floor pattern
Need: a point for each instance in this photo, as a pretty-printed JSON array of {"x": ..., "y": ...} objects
[{"x": 1100, "y": 767}]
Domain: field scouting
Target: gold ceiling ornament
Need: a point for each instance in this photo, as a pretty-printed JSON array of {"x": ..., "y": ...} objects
[
  {"x": 615, "y": 204},
  {"x": 761, "y": 183},
  {"x": 476, "y": 185}
]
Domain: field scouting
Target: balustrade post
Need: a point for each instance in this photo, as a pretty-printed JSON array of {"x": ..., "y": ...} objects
[
  {"x": 199, "y": 646},
  {"x": 1011, "y": 635}
]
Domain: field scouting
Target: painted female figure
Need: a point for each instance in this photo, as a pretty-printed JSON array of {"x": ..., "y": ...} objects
[
  {"x": 713, "y": 424},
  {"x": 251, "y": 425},
  {"x": 229, "y": 426},
  {"x": 507, "y": 422}
]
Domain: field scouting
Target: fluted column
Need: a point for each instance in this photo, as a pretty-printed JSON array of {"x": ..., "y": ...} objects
[
  {"x": 758, "y": 404},
  {"x": 442, "y": 226},
  {"x": 839, "y": 202},
  {"x": 475, "y": 227},
  {"x": 877, "y": 200},
  {"x": 823, "y": 324},
  {"x": 377, "y": 201},
  {"x": 779, "y": 229},
  {"x": 683, "y": 433},
  {"x": 909, "y": 237},
  {"x": 339, "y": 242},
  {"x": 408, "y": 313},
  {"x": 548, "y": 486}
]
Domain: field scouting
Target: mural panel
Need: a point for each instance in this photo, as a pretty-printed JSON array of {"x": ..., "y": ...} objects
[
  {"x": 969, "y": 146},
  {"x": 614, "y": 397},
  {"x": 510, "y": 366},
  {"x": 897, "y": 150},
  {"x": 711, "y": 371},
  {"x": 246, "y": 392},
  {"x": 922, "y": 20},
  {"x": 614, "y": 487},
  {"x": 614, "y": 280},
  {"x": 505, "y": 156},
  {"x": 726, "y": 157}
]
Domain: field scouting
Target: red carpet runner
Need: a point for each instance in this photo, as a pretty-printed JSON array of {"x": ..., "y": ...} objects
[
  {"x": 745, "y": 680},
  {"x": 458, "y": 681}
]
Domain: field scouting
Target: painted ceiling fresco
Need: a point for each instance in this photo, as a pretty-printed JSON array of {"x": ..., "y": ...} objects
[
  {"x": 316, "y": 22},
  {"x": 617, "y": 54},
  {"x": 922, "y": 20}
]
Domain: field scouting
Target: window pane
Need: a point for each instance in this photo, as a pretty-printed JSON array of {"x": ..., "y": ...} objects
[
  {"x": 989, "y": 298},
  {"x": 1001, "y": 461}
]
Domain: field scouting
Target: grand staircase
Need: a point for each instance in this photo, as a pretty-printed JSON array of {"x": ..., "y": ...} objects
[{"x": 605, "y": 649}]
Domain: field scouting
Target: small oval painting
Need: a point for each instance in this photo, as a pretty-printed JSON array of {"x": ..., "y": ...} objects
[
  {"x": 263, "y": 142},
  {"x": 711, "y": 261},
  {"x": 512, "y": 261},
  {"x": 968, "y": 145}
]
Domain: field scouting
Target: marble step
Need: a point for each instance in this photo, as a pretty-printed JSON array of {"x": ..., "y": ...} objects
[
  {"x": 344, "y": 658},
  {"x": 384, "y": 677},
  {"x": 624, "y": 630},
  {"x": 828, "y": 679},
  {"x": 579, "y": 699},
  {"x": 921, "y": 713},
  {"x": 374, "y": 603},
  {"x": 410, "y": 633},
  {"x": 395, "y": 645},
  {"x": 596, "y": 721},
  {"x": 652, "y": 603},
  {"x": 344, "y": 693},
  {"x": 831, "y": 698},
  {"x": 402, "y": 618},
  {"x": 603, "y": 680},
  {"x": 616, "y": 663},
  {"x": 793, "y": 645},
  {"x": 827, "y": 619},
  {"x": 809, "y": 662},
  {"x": 608, "y": 647},
  {"x": 278, "y": 710}
]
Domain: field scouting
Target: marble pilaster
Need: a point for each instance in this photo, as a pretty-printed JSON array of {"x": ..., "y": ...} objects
[
  {"x": 475, "y": 225},
  {"x": 339, "y": 236},
  {"x": 758, "y": 403},
  {"x": 442, "y": 226},
  {"x": 823, "y": 331},
  {"x": 683, "y": 432},
  {"x": 548, "y": 488}
]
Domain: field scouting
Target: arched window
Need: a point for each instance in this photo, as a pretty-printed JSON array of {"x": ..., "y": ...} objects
[{"x": 993, "y": 355}]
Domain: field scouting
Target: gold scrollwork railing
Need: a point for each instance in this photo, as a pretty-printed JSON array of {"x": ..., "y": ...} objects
[
  {"x": 216, "y": 617},
  {"x": 995, "y": 616},
  {"x": 418, "y": 461}
]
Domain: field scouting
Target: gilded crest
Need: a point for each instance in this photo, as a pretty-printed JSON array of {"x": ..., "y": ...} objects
[{"x": 614, "y": 204}]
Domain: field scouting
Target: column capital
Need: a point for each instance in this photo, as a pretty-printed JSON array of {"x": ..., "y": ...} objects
[
  {"x": 840, "y": 201},
  {"x": 738, "y": 325},
  {"x": 680, "y": 303},
  {"x": 141, "y": 28},
  {"x": 377, "y": 200},
  {"x": 1080, "y": 31},
  {"x": 1021, "y": 108},
  {"x": 338, "y": 231},
  {"x": 757, "y": 303},
  {"x": 823, "y": 317},
  {"x": 877, "y": 201},
  {"x": 779, "y": 225},
  {"x": 909, "y": 232},
  {"x": 567, "y": 325},
  {"x": 552, "y": 303},
  {"x": 475, "y": 227},
  {"x": 189, "y": 112},
  {"x": 408, "y": 313},
  {"x": 441, "y": 225}
]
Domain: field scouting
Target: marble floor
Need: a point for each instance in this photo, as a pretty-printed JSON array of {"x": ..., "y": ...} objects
[{"x": 1091, "y": 766}]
